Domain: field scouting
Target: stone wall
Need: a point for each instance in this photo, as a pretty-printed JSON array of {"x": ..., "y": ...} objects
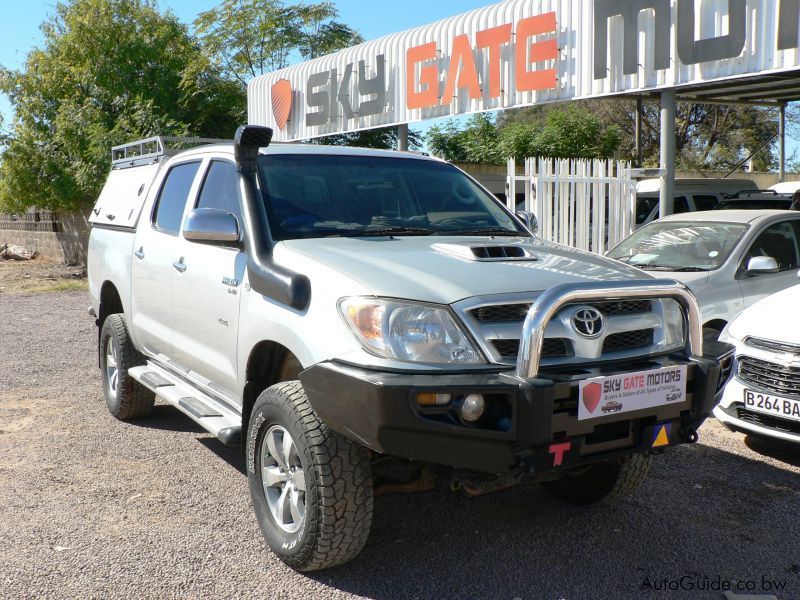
[{"x": 62, "y": 238}]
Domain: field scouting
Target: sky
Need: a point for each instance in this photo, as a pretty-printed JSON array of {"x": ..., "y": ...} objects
[{"x": 391, "y": 17}]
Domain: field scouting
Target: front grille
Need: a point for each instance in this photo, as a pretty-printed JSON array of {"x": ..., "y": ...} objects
[
  {"x": 517, "y": 312},
  {"x": 772, "y": 346},
  {"x": 502, "y": 313},
  {"x": 624, "y": 307},
  {"x": 770, "y": 377},
  {"x": 551, "y": 348},
  {"x": 784, "y": 425},
  {"x": 628, "y": 340}
]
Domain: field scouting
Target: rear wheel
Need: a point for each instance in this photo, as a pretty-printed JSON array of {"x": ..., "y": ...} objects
[
  {"x": 311, "y": 488},
  {"x": 125, "y": 397},
  {"x": 602, "y": 481}
]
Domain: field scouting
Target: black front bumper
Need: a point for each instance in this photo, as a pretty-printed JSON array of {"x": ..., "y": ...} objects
[{"x": 530, "y": 424}]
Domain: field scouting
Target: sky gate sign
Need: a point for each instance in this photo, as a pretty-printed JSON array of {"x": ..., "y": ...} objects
[{"x": 524, "y": 52}]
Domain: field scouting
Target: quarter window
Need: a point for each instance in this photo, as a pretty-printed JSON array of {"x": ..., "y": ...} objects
[{"x": 173, "y": 196}]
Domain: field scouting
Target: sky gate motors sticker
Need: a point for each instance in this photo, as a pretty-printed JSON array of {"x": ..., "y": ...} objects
[{"x": 604, "y": 396}]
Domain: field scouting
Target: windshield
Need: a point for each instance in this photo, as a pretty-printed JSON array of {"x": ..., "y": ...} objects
[
  {"x": 318, "y": 195},
  {"x": 676, "y": 246},
  {"x": 755, "y": 204}
]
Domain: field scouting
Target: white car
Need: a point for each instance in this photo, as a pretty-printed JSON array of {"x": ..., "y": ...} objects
[
  {"x": 763, "y": 396},
  {"x": 730, "y": 259}
]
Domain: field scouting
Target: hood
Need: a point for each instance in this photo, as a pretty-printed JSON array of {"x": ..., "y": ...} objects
[
  {"x": 773, "y": 318},
  {"x": 444, "y": 270}
]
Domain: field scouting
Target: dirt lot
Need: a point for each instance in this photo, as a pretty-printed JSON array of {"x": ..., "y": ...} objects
[
  {"x": 40, "y": 276},
  {"x": 94, "y": 508}
]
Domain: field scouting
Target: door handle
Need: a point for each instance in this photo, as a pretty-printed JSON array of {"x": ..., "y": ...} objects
[
  {"x": 180, "y": 266},
  {"x": 139, "y": 253}
]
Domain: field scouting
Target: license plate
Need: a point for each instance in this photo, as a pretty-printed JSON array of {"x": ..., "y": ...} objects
[
  {"x": 772, "y": 405},
  {"x": 606, "y": 396}
]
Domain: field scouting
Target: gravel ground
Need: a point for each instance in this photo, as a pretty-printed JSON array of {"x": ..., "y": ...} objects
[{"x": 94, "y": 508}]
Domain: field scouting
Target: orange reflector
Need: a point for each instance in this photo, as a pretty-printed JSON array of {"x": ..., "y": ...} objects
[{"x": 431, "y": 399}]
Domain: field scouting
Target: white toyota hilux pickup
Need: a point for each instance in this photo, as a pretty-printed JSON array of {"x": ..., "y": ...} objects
[{"x": 363, "y": 322}]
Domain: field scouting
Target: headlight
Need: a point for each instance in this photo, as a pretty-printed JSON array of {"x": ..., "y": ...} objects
[
  {"x": 674, "y": 334},
  {"x": 408, "y": 331}
]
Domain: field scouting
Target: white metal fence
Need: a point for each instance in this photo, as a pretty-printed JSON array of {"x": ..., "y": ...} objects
[{"x": 571, "y": 197}]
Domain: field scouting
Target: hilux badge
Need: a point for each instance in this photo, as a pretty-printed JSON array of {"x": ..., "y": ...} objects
[{"x": 588, "y": 322}]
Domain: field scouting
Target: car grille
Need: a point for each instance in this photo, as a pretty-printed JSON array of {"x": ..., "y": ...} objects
[
  {"x": 551, "y": 348},
  {"x": 504, "y": 313},
  {"x": 628, "y": 340},
  {"x": 772, "y": 346},
  {"x": 768, "y": 421},
  {"x": 770, "y": 377}
]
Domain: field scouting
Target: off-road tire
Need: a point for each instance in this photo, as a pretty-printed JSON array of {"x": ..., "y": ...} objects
[
  {"x": 603, "y": 481},
  {"x": 132, "y": 400},
  {"x": 338, "y": 481}
]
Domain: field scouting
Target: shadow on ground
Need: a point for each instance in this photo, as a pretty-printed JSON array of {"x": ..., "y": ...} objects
[{"x": 523, "y": 543}]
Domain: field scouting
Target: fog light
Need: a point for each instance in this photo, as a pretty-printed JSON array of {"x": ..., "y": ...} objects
[
  {"x": 472, "y": 408},
  {"x": 431, "y": 399}
]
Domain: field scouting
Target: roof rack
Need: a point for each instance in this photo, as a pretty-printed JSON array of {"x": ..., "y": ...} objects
[{"x": 151, "y": 150}]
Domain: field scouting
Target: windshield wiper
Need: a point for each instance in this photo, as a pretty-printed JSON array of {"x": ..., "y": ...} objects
[
  {"x": 673, "y": 269},
  {"x": 381, "y": 231},
  {"x": 485, "y": 231}
]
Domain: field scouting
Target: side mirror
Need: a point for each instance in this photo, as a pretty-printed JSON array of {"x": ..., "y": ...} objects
[
  {"x": 530, "y": 221},
  {"x": 760, "y": 265},
  {"x": 211, "y": 226}
]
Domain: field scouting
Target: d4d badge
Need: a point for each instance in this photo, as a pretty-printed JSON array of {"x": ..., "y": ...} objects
[
  {"x": 282, "y": 102},
  {"x": 592, "y": 393}
]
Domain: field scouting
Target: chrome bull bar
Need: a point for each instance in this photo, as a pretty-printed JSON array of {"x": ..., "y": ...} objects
[{"x": 548, "y": 304}]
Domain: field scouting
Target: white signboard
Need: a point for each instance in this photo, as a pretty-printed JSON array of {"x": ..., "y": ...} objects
[
  {"x": 605, "y": 396},
  {"x": 525, "y": 52}
]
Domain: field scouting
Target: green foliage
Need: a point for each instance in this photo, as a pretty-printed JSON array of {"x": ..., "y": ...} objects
[
  {"x": 246, "y": 38},
  {"x": 565, "y": 132},
  {"x": 384, "y": 138},
  {"x": 109, "y": 71}
]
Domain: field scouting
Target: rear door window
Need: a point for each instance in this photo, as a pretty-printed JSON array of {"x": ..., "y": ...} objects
[
  {"x": 173, "y": 197},
  {"x": 705, "y": 202}
]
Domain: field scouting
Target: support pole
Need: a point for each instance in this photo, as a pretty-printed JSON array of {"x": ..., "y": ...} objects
[
  {"x": 639, "y": 132},
  {"x": 782, "y": 142},
  {"x": 667, "y": 195},
  {"x": 402, "y": 137}
]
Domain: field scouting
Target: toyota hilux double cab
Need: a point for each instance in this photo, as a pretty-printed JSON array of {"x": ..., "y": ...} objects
[{"x": 363, "y": 322}]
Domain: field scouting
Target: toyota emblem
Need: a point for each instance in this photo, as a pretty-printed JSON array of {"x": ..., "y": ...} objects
[{"x": 588, "y": 322}]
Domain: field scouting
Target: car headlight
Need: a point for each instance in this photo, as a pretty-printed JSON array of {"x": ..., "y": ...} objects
[
  {"x": 408, "y": 331},
  {"x": 674, "y": 326}
]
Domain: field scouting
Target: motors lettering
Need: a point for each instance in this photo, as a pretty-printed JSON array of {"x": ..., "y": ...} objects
[
  {"x": 641, "y": 381},
  {"x": 690, "y": 50}
]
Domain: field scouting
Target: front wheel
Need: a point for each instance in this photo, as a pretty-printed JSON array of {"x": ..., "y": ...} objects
[
  {"x": 125, "y": 397},
  {"x": 602, "y": 481},
  {"x": 311, "y": 488}
]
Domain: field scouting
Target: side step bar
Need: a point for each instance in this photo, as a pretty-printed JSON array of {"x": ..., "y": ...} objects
[{"x": 216, "y": 418}]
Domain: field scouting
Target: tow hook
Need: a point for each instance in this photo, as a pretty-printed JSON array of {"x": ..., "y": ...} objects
[
  {"x": 473, "y": 488},
  {"x": 689, "y": 434}
]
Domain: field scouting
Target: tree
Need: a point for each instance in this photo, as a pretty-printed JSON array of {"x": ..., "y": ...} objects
[
  {"x": 108, "y": 71},
  {"x": 247, "y": 38},
  {"x": 382, "y": 138},
  {"x": 562, "y": 132}
]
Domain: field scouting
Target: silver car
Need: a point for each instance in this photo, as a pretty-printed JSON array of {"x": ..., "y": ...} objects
[{"x": 729, "y": 258}]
